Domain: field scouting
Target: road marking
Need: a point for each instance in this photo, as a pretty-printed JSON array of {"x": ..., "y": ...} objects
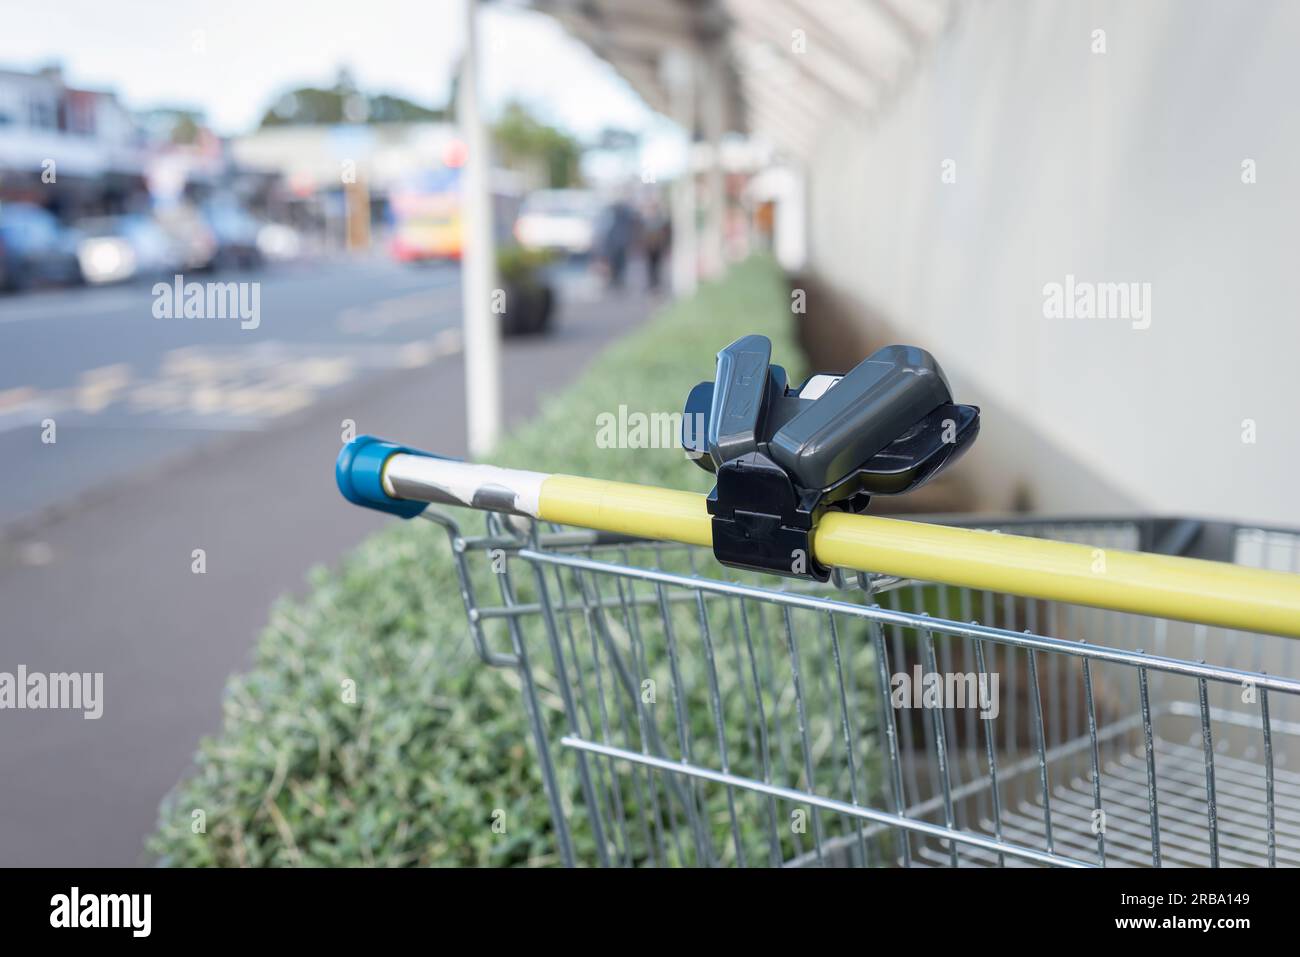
[
  {"x": 15, "y": 398},
  {"x": 221, "y": 388},
  {"x": 100, "y": 388}
]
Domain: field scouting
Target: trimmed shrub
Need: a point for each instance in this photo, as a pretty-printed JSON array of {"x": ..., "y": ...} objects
[{"x": 410, "y": 769}]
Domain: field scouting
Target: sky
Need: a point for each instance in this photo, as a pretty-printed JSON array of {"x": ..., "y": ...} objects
[{"x": 231, "y": 58}]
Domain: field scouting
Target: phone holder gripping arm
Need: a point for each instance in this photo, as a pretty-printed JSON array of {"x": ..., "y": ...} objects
[{"x": 783, "y": 456}]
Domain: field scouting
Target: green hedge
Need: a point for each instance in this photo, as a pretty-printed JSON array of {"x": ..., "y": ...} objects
[{"x": 411, "y": 772}]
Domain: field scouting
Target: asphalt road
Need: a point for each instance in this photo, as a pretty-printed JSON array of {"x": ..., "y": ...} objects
[
  {"x": 125, "y": 389},
  {"x": 157, "y": 459}
]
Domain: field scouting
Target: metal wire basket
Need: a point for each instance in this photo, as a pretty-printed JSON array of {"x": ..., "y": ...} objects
[{"x": 683, "y": 716}]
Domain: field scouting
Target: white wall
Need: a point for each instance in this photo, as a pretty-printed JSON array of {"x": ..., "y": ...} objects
[{"x": 1123, "y": 167}]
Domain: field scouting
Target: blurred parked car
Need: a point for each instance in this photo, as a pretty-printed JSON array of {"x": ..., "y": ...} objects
[
  {"x": 191, "y": 234},
  {"x": 115, "y": 248},
  {"x": 562, "y": 220},
  {"x": 35, "y": 249},
  {"x": 276, "y": 241},
  {"x": 235, "y": 231}
]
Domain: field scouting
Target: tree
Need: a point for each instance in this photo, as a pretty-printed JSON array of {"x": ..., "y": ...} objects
[
  {"x": 344, "y": 103},
  {"x": 523, "y": 141}
]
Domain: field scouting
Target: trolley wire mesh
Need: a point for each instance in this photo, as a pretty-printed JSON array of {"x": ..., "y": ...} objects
[{"x": 686, "y": 717}]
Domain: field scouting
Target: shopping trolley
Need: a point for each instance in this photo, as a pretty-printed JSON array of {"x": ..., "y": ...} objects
[{"x": 768, "y": 676}]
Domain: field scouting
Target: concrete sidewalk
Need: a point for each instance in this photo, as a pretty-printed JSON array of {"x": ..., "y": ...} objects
[{"x": 108, "y": 587}]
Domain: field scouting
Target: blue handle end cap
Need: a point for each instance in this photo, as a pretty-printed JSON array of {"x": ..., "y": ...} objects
[{"x": 359, "y": 472}]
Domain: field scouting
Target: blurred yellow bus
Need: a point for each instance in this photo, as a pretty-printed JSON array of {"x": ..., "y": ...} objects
[{"x": 425, "y": 212}]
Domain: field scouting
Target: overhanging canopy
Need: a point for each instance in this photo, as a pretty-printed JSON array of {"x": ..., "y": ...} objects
[{"x": 784, "y": 66}]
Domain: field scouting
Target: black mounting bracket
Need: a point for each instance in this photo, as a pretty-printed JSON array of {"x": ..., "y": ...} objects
[{"x": 783, "y": 456}]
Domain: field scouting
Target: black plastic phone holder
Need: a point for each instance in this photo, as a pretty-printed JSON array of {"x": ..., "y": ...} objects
[{"x": 783, "y": 456}]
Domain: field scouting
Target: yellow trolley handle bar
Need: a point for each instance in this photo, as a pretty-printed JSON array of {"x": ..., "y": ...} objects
[{"x": 1187, "y": 589}]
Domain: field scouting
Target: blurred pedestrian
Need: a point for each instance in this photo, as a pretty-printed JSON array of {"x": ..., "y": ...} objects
[
  {"x": 655, "y": 237},
  {"x": 617, "y": 238}
]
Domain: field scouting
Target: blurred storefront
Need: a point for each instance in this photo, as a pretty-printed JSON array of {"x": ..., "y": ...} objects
[
  {"x": 84, "y": 141},
  {"x": 340, "y": 177}
]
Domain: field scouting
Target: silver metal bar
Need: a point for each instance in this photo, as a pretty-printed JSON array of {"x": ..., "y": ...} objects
[
  {"x": 649, "y": 738},
  {"x": 704, "y": 856},
  {"x": 828, "y": 804},
  {"x": 888, "y": 723},
  {"x": 645, "y": 782},
  {"x": 1268, "y": 765},
  {"x": 784, "y": 758},
  {"x": 850, "y": 743},
  {"x": 941, "y": 753},
  {"x": 1207, "y": 743},
  {"x": 467, "y": 594},
  {"x": 715, "y": 700},
  {"x": 582, "y": 699},
  {"x": 632, "y": 693},
  {"x": 1136, "y": 659},
  {"x": 1098, "y": 822},
  {"x": 595, "y": 634},
  {"x": 765, "y": 753},
  {"x": 540, "y": 742},
  {"x": 1036, "y": 701},
  {"x": 570, "y": 710},
  {"x": 1153, "y": 804},
  {"x": 990, "y": 747},
  {"x": 912, "y": 783},
  {"x": 801, "y": 711}
]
